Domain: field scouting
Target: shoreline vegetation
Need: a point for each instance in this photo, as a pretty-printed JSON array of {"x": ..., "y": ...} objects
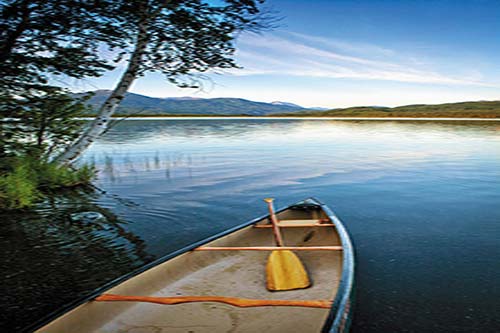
[
  {"x": 25, "y": 180},
  {"x": 482, "y": 109},
  {"x": 39, "y": 127}
]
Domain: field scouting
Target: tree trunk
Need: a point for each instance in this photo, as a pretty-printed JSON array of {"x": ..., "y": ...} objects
[
  {"x": 40, "y": 133},
  {"x": 101, "y": 122}
]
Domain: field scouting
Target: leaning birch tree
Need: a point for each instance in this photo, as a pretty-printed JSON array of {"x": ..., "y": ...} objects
[{"x": 177, "y": 38}]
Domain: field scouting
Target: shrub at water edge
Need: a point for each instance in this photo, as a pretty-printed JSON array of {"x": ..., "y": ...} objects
[{"x": 25, "y": 180}]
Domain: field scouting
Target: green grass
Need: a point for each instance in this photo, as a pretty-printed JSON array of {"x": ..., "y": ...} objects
[
  {"x": 24, "y": 180},
  {"x": 53, "y": 177},
  {"x": 18, "y": 188}
]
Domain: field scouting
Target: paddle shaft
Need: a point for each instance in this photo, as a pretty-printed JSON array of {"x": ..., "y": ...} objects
[
  {"x": 240, "y": 302},
  {"x": 274, "y": 221}
]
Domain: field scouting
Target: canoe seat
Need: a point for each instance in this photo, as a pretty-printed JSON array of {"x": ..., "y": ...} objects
[{"x": 298, "y": 224}]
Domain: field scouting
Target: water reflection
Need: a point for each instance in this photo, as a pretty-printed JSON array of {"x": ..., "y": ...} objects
[
  {"x": 415, "y": 195},
  {"x": 200, "y": 152},
  {"x": 419, "y": 198},
  {"x": 163, "y": 130},
  {"x": 48, "y": 255},
  {"x": 113, "y": 170},
  {"x": 144, "y": 130}
]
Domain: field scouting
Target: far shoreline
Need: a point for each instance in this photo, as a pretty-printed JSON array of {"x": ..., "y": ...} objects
[{"x": 245, "y": 117}]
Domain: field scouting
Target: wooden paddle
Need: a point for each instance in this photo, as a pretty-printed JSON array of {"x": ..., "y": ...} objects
[{"x": 284, "y": 269}]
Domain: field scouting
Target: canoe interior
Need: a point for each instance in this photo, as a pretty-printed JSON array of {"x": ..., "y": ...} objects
[{"x": 220, "y": 273}]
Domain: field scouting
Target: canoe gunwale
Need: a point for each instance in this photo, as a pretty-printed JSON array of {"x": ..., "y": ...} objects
[{"x": 339, "y": 315}]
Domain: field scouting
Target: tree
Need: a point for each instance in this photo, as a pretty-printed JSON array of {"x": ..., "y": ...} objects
[
  {"x": 40, "y": 38},
  {"x": 177, "y": 38},
  {"x": 49, "y": 122},
  {"x": 43, "y": 39},
  {"x": 43, "y": 124}
]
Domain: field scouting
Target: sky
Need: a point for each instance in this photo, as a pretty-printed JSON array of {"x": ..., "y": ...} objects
[{"x": 333, "y": 53}]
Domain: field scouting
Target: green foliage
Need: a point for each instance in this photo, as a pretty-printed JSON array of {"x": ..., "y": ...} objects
[
  {"x": 42, "y": 38},
  {"x": 52, "y": 176},
  {"x": 44, "y": 123},
  {"x": 23, "y": 180},
  {"x": 190, "y": 36},
  {"x": 17, "y": 188}
]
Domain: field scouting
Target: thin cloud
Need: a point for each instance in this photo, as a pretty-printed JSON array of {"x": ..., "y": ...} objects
[
  {"x": 355, "y": 47},
  {"x": 296, "y": 56},
  {"x": 292, "y": 47}
]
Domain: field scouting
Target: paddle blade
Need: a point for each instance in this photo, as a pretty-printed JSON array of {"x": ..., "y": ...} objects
[{"x": 285, "y": 271}]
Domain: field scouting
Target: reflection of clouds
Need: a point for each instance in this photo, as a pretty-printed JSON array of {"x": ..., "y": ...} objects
[
  {"x": 212, "y": 157},
  {"x": 353, "y": 171},
  {"x": 160, "y": 133}
]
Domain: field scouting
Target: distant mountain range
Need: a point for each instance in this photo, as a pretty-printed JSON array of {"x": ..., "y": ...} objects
[
  {"x": 139, "y": 105},
  {"x": 135, "y": 104}
]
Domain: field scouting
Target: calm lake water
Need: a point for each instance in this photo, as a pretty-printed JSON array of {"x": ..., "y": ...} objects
[{"x": 421, "y": 201}]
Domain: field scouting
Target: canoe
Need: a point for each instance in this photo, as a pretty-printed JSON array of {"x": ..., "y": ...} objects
[{"x": 219, "y": 284}]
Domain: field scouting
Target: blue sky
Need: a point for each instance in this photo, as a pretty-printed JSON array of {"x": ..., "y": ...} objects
[{"x": 346, "y": 53}]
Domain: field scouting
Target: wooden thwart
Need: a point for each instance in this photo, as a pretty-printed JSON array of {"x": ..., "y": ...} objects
[
  {"x": 298, "y": 223},
  {"x": 268, "y": 248},
  {"x": 305, "y": 225},
  {"x": 240, "y": 302}
]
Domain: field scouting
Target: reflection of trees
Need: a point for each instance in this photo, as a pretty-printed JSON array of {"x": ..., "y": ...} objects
[
  {"x": 423, "y": 125},
  {"x": 49, "y": 261},
  {"x": 162, "y": 136},
  {"x": 132, "y": 130}
]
